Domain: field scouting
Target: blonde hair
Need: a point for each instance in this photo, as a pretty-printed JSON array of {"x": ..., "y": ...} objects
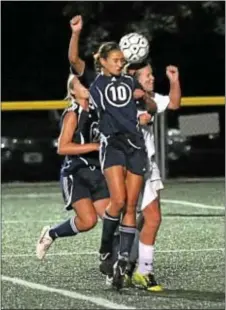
[
  {"x": 70, "y": 96},
  {"x": 136, "y": 67}
]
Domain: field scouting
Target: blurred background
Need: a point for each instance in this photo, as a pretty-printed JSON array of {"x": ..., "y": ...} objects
[{"x": 35, "y": 38}]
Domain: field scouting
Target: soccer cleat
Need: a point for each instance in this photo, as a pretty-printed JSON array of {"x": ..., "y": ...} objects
[
  {"x": 109, "y": 280},
  {"x": 127, "y": 281},
  {"x": 106, "y": 266},
  {"x": 44, "y": 243},
  {"x": 147, "y": 282},
  {"x": 119, "y": 271}
]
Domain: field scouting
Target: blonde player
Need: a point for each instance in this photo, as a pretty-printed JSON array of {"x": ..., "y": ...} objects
[{"x": 150, "y": 198}]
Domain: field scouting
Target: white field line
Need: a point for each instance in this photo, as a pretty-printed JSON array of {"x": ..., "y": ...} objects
[
  {"x": 94, "y": 300},
  {"x": 38, "y": 221},
  {"x": 31, "y": 195},
  {"x": 33, "y": 221},
  {"x": 175, "y": 202},
  {"x": 96, "y": 253},
  {"x": 63, "y": 218},
  {"x": 192, "y": 204}
]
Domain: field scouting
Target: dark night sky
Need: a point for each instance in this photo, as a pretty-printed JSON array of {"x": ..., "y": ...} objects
[{"x": 35, "y": 37}]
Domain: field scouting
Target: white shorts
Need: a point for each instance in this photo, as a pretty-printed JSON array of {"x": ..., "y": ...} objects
[{"x": 152, "y": 185}]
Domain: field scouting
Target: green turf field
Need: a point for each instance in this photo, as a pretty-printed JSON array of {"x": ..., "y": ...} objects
[{"x": 189, "y": 260}]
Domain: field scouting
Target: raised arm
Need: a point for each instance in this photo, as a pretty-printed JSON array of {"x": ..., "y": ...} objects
[
  {"x": 175, "y": 90},
  {"x": 66, "y": 146},
  {"x": 73, "y": 53}
]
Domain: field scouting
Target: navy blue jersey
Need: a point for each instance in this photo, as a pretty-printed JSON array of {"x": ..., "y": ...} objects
[
  {"x": 113, "y": 98},
  {"x": 87, "y": 77},
  {"x": 86, "y": 132}
]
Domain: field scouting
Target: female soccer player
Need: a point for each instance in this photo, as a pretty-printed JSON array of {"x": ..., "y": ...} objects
[
  {"x": 150, "y": 198},
  {"x": 122, "y": 157},
  {"x": 83, "y": 185},
  {"x": 122, "y": 151}
]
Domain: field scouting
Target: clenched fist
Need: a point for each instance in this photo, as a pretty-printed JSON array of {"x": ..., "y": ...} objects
[
  {"x": 144, "y": 118},
  {"x": 172, "y": 73},
  {"x": 76, "y": 23}
]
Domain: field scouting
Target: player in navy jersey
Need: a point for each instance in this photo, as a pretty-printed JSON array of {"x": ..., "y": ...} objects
[
  {"x": 121, "y": 139},
  {"x": 83, "y": 185},
  {"x": 122, "y": 152}
]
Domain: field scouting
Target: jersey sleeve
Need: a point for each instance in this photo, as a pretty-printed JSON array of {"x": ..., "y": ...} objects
[
  {"x": 161, "y": 102},
  {"x": 74, "y": 107},
  {"x": 86, "y": 77}
]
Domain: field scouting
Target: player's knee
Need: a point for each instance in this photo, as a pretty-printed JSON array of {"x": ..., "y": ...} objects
[
  {"x": 154, "y": 222},
  {"x": 118, "y": 202},
  {"x": 153, "y": 219},
  {"x": 89, "y": 221},
  {"x": 152, "y": 214}
]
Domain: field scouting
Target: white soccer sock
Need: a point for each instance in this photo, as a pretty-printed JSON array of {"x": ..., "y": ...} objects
[{"x": 146, "y": 254}]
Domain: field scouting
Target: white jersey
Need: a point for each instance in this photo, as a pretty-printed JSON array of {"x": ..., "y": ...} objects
[
  {"x": 148, "y": 133},
  {"x": 153, "y": 181}
]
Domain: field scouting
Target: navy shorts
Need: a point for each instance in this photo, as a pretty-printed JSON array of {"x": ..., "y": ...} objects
[
  {"x": 125, "y": 151},
  {"x": 86, "y": 183}
]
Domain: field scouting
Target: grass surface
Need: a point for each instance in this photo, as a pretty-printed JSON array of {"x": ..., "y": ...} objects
[{"x": 189, "y": 260}]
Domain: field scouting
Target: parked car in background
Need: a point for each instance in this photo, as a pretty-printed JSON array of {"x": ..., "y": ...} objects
[
  {"x": 29, "y": 149},
  {"x": 205, "y": 158},
  {"x": 28, "y": 146},
  {"x": 204, "y": 134}
]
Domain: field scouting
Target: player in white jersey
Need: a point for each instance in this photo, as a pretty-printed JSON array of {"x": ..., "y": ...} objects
[
  {"x": 150, "y": 197},
  {"x": 153, "y": 180}
]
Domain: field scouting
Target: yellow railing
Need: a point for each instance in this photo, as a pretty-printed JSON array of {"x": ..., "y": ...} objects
[{"x": 55, "y": 105}]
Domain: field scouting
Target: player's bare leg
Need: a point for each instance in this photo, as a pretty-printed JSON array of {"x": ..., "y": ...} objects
[
  {"x": 85, "y": 219},
  {"x": 144, "y": 275},
  {"x": 115, "y": 177},
  {"x": 127, "y": 227}
]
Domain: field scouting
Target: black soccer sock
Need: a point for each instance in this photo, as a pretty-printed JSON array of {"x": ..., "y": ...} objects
[
  {"x": 65, "y": 229},
  {"x": 127, "y": 235},
  {"x": 135, "y": 248},
  {"x": 115, "y": 247},
  {"x": 110, "y": 224}
]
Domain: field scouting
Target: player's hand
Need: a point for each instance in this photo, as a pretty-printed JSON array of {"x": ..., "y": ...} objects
[
  {"x": 172, "y": 73},
  {"x": 138, "y": 93},
  {"x": 76, "y": 23},
  {"x": 144, "y": 118}
]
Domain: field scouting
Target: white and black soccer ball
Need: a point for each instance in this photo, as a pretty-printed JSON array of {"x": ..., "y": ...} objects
[{"x": 135, "y": 47}]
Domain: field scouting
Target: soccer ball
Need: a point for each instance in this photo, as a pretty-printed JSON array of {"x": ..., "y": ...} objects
[{"x": 135, "y": 47}]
